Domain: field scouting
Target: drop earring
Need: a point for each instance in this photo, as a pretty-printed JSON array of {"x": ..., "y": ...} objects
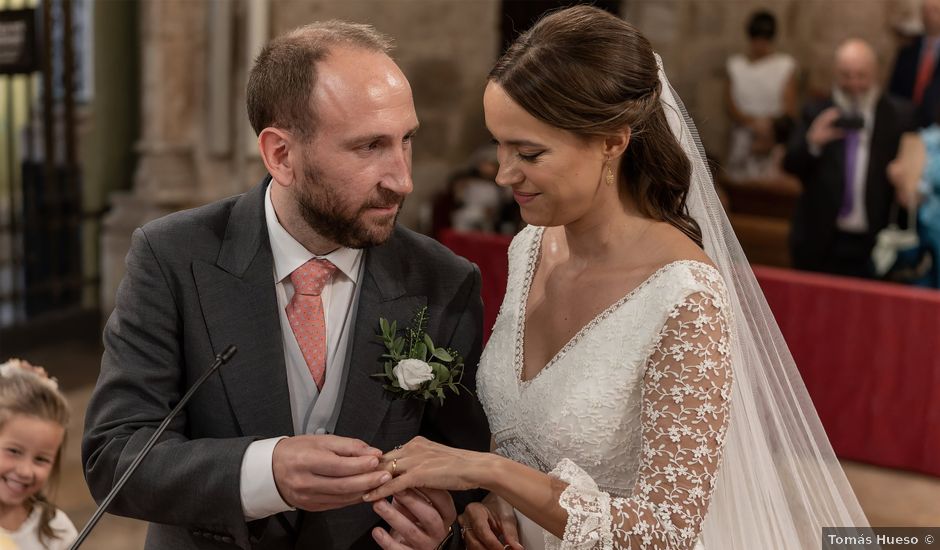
[{"x": 610, "y": 174}]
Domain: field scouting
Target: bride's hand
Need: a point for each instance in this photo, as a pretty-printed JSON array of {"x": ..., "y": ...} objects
[
  {"x": 490, "y": 525},
  {"x": 421, "y": 463}
]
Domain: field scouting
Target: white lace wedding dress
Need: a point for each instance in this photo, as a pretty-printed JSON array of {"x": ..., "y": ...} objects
[{"x": 631, "y": 413}]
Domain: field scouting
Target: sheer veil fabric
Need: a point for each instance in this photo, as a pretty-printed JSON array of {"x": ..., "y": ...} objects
[{"x": 779, "y": 482}]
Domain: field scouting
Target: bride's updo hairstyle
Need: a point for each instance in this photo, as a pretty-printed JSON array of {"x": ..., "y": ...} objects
[{"x": 584, "y": 70}]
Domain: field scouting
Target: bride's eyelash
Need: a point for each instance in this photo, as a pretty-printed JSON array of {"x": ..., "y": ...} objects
[{"x": 530, "y": 157}]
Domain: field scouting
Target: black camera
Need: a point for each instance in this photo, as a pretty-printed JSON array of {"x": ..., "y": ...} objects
[{"x": 849, "y": 121}]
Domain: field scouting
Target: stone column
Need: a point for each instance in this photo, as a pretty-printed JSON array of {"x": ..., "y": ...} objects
[{"x": 166, "y": 179}]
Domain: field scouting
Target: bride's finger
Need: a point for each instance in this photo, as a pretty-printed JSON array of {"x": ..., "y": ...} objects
[
  {"x": 395, "y": 465},
  {"x": 395, "y": 485}
]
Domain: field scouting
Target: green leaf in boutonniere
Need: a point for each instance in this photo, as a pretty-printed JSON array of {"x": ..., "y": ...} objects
[{"x": 414, "y": 366}]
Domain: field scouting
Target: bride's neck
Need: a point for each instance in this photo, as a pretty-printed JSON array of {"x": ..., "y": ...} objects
[{"x": 593, "y": 238}]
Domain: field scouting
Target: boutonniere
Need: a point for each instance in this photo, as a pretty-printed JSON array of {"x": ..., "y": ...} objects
[{"x": 414, "y": 366}]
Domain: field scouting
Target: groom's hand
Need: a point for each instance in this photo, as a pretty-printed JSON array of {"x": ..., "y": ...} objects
[
  {"x": 324, "y": 472},
  {"x": 490, "y": 525},
  {"x": 420, "y": 520}
]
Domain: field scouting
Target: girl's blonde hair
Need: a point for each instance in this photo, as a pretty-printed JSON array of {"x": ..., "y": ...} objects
[{"x": 26, "y": 390}]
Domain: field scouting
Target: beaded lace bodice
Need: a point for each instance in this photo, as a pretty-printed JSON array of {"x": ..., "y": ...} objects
[{"x": 631, "y": 413}]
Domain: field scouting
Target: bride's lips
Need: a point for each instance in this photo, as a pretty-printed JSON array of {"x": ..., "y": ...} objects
[{"x": 524, "y": 198}]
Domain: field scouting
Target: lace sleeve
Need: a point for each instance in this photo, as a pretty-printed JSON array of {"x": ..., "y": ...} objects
[{"x": 686, "y": 395}]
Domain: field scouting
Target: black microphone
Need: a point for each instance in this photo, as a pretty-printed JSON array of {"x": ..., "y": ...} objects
[{"x": 220, "y": 360}]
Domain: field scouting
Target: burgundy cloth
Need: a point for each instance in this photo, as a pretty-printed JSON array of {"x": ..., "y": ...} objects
[
  {"x": 489, "y": 252},
  {"x": 868, "y": 352}
]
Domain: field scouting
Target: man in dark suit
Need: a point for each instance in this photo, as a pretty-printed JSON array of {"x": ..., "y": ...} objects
[
  {"x": 277, "y": 450},
  {"x": 841, "y": 155},
  {"x": 916, "y": 76}
]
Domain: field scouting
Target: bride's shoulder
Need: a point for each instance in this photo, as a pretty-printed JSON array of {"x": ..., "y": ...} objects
[
  {"x": 673, "y": 246},
  {"x": 685, "y": 261}
]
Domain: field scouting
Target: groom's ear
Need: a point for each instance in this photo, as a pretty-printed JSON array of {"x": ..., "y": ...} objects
[
  {"x": 276, "y": 148},
  {"x": 615, "y": 144}
]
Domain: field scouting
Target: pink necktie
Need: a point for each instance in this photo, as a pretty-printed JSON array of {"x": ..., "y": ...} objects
[{"x": 306, "y": 317}]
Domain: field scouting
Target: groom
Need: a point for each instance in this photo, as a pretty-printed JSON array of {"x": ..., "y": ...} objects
[{"x": 277, "y": 450}]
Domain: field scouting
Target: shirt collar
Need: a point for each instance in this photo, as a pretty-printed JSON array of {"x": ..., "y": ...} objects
[{"x": 290, "y": 254}]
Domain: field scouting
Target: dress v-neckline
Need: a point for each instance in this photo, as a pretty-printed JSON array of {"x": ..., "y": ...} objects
[{"x": 533, "y": 259}]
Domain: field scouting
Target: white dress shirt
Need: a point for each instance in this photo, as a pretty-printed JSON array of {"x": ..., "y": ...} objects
[{"x": 312, "y": 411}]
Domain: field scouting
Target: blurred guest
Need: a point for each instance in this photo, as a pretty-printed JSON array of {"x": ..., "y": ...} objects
[
  {"x": 479, "y": 203},
  {"x": 761, "y": 99},
  {"x": 841, "y": 153},
  {"x": 916, "y": 177},
  {"x": 915, "y": 76},
  {"x": 484, "y": 163},
  {"x": 479, "y": 200},
  {"x": 472, "y": 201}
]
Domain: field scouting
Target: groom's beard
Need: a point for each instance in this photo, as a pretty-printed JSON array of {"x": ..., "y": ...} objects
[{"x": 334, "y": 218}]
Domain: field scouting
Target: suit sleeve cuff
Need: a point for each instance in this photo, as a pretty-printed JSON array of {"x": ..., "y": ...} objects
[{"x": 260, "y": 497}]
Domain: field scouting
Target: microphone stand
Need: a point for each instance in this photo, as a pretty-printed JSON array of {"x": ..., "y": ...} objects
[{"x": 220, "y": 360}]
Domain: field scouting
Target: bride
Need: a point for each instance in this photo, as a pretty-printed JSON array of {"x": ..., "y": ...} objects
[{"x": 638, "y": 390}]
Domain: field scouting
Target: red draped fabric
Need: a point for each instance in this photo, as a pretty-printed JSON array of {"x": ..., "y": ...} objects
[
  {"x": 489, "y": 253},
  {"x": 868, "y": 352}
]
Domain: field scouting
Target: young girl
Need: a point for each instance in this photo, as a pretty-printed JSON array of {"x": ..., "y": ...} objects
[{"x": 33, "y": 418}]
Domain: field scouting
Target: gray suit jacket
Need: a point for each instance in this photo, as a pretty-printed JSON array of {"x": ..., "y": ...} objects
[{"x": 202, "y": 279}]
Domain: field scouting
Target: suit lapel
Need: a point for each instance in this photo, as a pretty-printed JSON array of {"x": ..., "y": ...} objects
[
  {"x": 238, "y": 301},
  {"x": 365, "y": 401}
]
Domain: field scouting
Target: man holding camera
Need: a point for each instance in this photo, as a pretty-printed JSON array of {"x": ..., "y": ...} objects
[{"x": 840, "y": 154}]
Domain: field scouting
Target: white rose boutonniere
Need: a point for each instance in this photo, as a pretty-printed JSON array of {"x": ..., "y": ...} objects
[
  {"x": 411, "y": 373},
  {"x": 414, "y": 366}
]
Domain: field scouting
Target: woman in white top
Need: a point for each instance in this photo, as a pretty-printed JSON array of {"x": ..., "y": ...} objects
[{"x": 761, "y": 92}]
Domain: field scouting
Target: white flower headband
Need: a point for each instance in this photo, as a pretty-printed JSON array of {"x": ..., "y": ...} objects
[{"x": 18, "y": 367}]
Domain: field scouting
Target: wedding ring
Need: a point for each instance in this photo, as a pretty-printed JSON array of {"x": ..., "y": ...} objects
[
  {"x": 506, "y": 547},
  {"x": 394, "y": 466}
]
